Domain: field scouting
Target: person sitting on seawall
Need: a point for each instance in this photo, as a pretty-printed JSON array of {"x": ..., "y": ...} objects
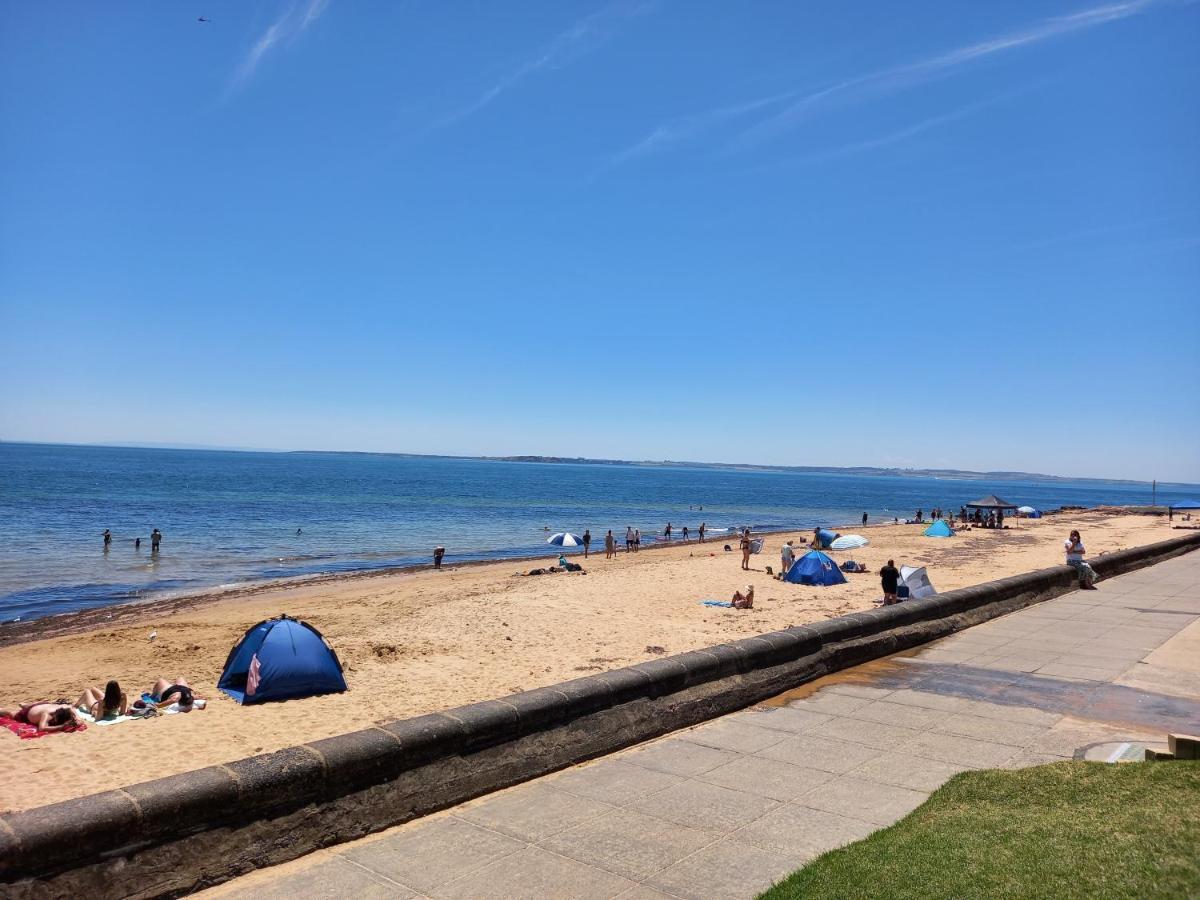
[
  {"x": 43, "y": 715},
  {"x": 744, "y": 601},
  {"x": 1075, "y": 550},
  {"x": 106, "y": 703}
]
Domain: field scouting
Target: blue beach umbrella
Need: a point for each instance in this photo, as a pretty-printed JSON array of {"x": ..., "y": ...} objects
[{"x": 565, "y": 539}]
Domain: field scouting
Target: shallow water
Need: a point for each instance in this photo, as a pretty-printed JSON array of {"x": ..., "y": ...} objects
[{"x": 231, "y": 517}]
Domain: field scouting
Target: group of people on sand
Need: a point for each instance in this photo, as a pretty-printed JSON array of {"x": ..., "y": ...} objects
[{"x": 102, "y": 704}]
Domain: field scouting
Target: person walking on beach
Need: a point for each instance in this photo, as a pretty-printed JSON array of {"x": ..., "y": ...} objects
[
  {"x": 745, "y": 547},
  {"x": 610, "y": 545},
  {"x": 628, "y": 539},
  {"x": 438, "y": 554},
  {"x": 637, "y": 540},
  {"x": 587, "y": 541},
  {"x": 864, "y": 518},
  {"x": 787, "y": 556},
  {"x": 667, "y": 531},
  {"x": 107, "y": 538},
  {"x": 889, "y": 580},
  {"x": 685, "y": 534},
  {"x": 702, "y": 529},
  {"x": 155, "y": 540},
  {"x": 1075, "y": 551}
]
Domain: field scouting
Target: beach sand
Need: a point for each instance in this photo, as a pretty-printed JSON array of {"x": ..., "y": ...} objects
[{"x": 420, "y": 642}]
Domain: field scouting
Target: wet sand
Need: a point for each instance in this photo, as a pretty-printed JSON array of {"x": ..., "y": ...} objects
[{"x": 421, "y": 641}]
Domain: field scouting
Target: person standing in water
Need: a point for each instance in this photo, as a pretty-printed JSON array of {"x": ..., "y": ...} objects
[
  {"x": 137, "y": 543},
  {"x": 685, "y": 534},
  {"x": 438, "y": 554},
  {"x": 155, "y": 540},
  {"x": 587, "y": 541},
  {"x": 667, "y": 531},
  {"x": 703, "y": 528},
  {"x": 864, "y": 518},
  {"x": 107, "y": 538}
]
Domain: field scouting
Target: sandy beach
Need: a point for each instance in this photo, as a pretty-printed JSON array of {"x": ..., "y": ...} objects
[{"x": 418, "y": 642}]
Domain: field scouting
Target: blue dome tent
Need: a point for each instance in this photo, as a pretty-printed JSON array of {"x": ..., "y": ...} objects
[
  {"x": 939, "y": 529},
  {"x": 281, "y": 659},
  {"x": 815, "y": 568}
]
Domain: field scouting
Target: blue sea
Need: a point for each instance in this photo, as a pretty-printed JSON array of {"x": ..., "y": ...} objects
[{"x": 229, "y": 518}]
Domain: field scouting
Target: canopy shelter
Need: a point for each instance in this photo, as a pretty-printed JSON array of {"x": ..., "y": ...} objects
[
  {"x": 939, "y": 528},
  {"x": 991, "y": 501},
  {"x": 815, "y": 568},
  {"x": 917, "y": 581},
  {"x": 281, "y": 659},
  {"x": 1184, "y": 504}
]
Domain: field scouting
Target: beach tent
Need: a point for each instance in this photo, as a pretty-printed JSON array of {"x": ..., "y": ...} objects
[
  {"x": 1029, "y": 512},
  {"x": 281, "y": 659},
  {"x": 825, "y": 537},
  {"x": 917, "y": 582},
  {"x": 991, "y": 501},
  {"x": 815, "y": 568},
  {"x": 939, "y": 528}
]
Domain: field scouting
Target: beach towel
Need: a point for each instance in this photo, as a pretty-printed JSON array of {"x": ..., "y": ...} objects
[
  {"x": 89, "y": 718},
  {"x": 724, "y": 603},
  {"x": 26, "y": 731}
]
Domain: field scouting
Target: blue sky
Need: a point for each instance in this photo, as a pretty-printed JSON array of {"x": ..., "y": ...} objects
[{"x": 936, "y": 234}]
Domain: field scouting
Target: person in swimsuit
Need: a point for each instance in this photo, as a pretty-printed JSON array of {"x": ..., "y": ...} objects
[
  {"x": 745, "y": 546},
  {"x": 106, "y": 703},
  {"x": 610, "y": 545},
  {"x": 743, "y": 601},
  {"x": 164, "y": 693},
  {"x": 703, "y": 528},
  {"x": 43, "y": 715}
]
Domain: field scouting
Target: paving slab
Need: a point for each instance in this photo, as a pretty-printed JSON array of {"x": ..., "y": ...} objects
[
  {"x": 878, "y": 735},
  {"x": 679, "y": 757},
  {"x": 825, "y": 754},
  {"x": 703, "y": 805},
  {"x": 739, "y": 736},
  {"x": 330, "y": 880},
  {"x": 905, "y": 770},
  {"x": 630, "y": 843},
  {"x": 861, "y": 798},
  {"x": 725, "y": 871},
  {"x": 613, "y": 781},
  {"x": 802, "y": 832},
  {"x": 782, "y": 718},
  {"x": 435, "y": 852},
  {"x": 532, "y": 812},
  {"x": 535, "y": 874},
  {"x": 768, "y": 778}
]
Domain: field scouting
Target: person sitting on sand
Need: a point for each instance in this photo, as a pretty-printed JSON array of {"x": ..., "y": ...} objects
[
  {"x": 106, "y": 703},
  {"x": 43, "y": 715},
  {"x": 569, "y": 566},
  {"x": 744, "y": 601}
]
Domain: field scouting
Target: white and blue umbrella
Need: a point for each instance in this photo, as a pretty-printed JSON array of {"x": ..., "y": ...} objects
[
  {"x": 565, "y": 539},
  {"x": 849, "y": 542}
]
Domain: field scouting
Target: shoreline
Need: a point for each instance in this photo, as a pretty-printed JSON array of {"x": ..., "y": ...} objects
[{"x": 129, "y": 612}]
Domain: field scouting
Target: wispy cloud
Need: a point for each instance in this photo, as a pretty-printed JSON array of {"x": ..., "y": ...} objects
[
  {"x": 294, "y": 20},
  {"x": 911, "y": 74},
  {"x": 583, "y": 36},
  {"x": 787, "y": 109},
  {"x": 899, "y": 135},
  {"x": 685, "y": 128}
]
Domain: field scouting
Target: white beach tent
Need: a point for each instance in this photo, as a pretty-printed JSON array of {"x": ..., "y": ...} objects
[{"x": 917, "y": 582}]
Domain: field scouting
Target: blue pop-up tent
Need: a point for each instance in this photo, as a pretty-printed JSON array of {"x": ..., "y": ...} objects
[
  {"x": 281, "y": 659},
  {"x": 939, "y": 529},
  {"x": 815, "y": 568}
]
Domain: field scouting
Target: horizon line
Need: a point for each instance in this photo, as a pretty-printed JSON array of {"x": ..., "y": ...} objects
[{"x": 585, "y": 460}]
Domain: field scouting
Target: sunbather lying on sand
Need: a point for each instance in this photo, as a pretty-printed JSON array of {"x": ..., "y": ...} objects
[
  {"x": 164, "y": 693},
  {"x": 43, "y": 715}
]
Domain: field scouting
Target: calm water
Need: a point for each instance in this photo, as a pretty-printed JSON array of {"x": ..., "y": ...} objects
[{"x": 229, "y": 517}]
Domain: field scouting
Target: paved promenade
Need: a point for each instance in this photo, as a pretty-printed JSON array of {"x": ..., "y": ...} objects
[{"x": 728, "y": 807}]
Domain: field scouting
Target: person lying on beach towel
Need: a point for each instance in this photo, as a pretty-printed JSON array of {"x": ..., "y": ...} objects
[
  {"x": 164, "y": 693},
  {"x": 39, "y": 718},
  {"x": 107, "y": 703},
  {"x": 570, "y": 566}
]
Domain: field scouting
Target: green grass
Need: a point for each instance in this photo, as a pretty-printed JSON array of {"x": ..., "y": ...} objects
[{"x": 1071, "y": 829}]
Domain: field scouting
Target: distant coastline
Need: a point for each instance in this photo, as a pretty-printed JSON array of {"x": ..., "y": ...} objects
[{"x": 873, "y": 471}]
